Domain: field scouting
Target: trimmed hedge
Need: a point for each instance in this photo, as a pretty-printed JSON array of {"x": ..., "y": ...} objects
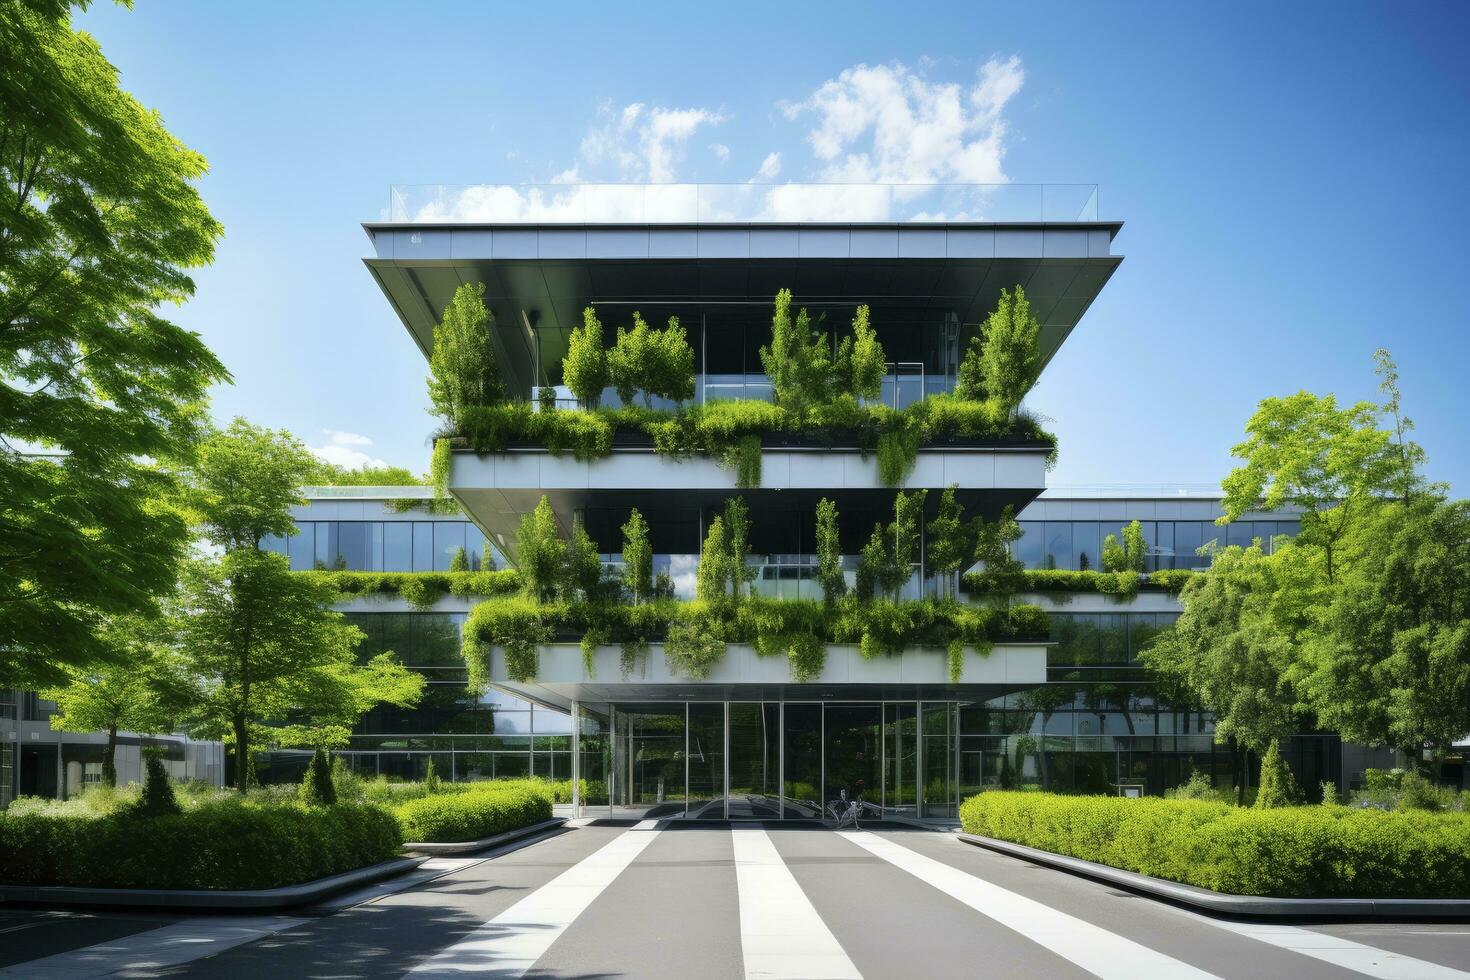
[
  {"x": 220, "y": 844},
  {"x": 472, "y": 813},
  {"x": 1124, "y": 585},
  {"x": 423, "y": 589},
  {"x": 1288, "y": 852}
]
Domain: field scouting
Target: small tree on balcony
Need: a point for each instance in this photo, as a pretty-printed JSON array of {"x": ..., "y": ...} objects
[
  {"x": 543, "y": 552},
  {"x": 829, "y": 553},
  {"x": 1128, "y": 556},
  {"x": 637, "y": 557},
  {"x": 462, "y": 370},
  {"x": 1010, "y": 361},
  {"x": 627, "y": 362},
  {"x": 798, "y": 361},
  {"x": 950, "y": 543},
  {"x": 737, "y": 526},
  {"x": 871, "y": 562},
  {"x": 585, "y": 368},
  {"x": 712, "y": 575},
  {"x": 671, "y": 367},
  {"x": 584, "y": 565},
  {"x": 859, "y": 366},
  {"x": 903, "y": 535},
  {"x": 1004, "y": 572}
]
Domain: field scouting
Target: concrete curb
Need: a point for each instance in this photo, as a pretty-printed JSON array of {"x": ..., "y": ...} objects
[
  {"x": 484, "y": 843},
  {"x": 1220, "y": 903},
  {"x": 285, "y": 897}
]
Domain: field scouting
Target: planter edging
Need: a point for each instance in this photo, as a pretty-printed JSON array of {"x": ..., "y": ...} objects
[
  {"x": 286, "y": 896},
  {"x": 1222, "y": 903},
  {"x": 484, "y": 843}
]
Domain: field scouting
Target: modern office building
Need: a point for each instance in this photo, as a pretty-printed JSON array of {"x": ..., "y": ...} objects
[{"x": 1072, "y": 711}]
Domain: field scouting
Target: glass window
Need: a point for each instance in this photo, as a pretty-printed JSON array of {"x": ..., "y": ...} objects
[
  {"x": 1239, "y": 533},
  {"x": 448, "y": 539},
  {"x": 326, "y": 545},
  {"x": 373, "y": 539},
  {"x": 274, "y": 543},
  {"x": 1086, "y": 538},
  {"x": 1188, "y": 537},
  {"x": 549, "y": 722},
  {"x": 474, "y": 546},
  {"x": 1164, "y": 545},
  {"x": 1058, "y": 545},
  {"x": 352, "y": 551},
  {"x": 423, "y": 546},
  {"x": 397, "y": 546},
  {"x": 301, "y": 547},
  {"x": 1028, "y": 548}
]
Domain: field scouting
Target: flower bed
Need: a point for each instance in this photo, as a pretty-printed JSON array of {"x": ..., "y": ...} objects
[{"x": 1287, "y": 852}]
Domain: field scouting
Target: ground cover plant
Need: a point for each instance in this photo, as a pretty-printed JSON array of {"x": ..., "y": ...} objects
[
  {"x": 1289, "y": 852},
  {"x": 473, "y": 811}
]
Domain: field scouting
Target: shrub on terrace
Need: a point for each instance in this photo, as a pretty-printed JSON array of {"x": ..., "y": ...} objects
[
  {"x": 585, "y": 369},
  {"x": 462, "y": 369}
]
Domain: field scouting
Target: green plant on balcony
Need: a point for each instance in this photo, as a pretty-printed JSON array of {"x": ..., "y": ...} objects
[
  {"x": 829, "y": 553},
  {"x": 542, "y": 553},
  {"x": 584, "y": 370},
  {"x": 637, "y": 557},
  {"x": 462, "y": 368},
  {"x": 659, "y": 363}
]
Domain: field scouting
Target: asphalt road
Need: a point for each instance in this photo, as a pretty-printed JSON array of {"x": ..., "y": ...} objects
[{"x": 715, "y": 901}]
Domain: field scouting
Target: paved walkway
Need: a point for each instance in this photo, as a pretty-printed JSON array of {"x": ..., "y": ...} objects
[{"x": 663, "y": 900}]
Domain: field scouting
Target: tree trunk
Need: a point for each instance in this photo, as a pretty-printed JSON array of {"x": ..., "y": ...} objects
[
  {"x": 109, "y": 760},
  {"x": 242, "y": 754}
]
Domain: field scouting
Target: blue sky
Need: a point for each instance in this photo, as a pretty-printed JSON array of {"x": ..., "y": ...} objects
[{"x": 1294, "y": 178}]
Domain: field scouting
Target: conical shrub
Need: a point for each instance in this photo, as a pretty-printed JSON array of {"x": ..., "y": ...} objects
[
  {"x": 317, "y": 788},
  {"x": 1278, "y": 786},
  {"x": 158, "y": 799}
]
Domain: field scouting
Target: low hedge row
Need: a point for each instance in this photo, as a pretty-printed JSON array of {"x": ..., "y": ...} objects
[
  {"x": 1289, "y": 852},
  {"x": 1123, "y": 585},
  {"x": 221, "y": 844},
  {"x": 473, "y": 813},
  {"x": 423, "y": 589}
]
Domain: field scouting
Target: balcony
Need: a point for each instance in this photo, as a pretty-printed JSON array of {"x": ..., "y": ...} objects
[{"x": 741, "y": 203}]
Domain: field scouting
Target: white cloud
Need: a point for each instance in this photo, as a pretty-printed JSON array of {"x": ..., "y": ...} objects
[
  {"x": 340, "y": 450},
  {"x": 642, "y": 142},
  {"x": 339, "y": 438},
  {"x": 769, "y": 168},
  {"x": 721, "y": 152},
  {"x": 892, "y": 124}
]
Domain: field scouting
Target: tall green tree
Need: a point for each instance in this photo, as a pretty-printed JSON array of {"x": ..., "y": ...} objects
[
  {"x": 637, "y": 557},
  {"x": 829, "y": 553},
  {"x": 873, "y": 559},
  {"x": 628, "y": 362},
  {"x": 1233, "y": 648},
  {"x": 737, "y": 525},
  {"x": 585, "y": 368},
  {"x": 994, "y": 541},
  {"x": 100, "y": 219},
  {"x": 543, "y": 553},
  {"x": 1304, "y": 451},
  {"x": 144, "y": 690},
  {"x": 1010, "y": 360},
  {"x": 462, "y": 368},
  {"x": 264, "y": 644},
  {"x": 671, "y": 371}
]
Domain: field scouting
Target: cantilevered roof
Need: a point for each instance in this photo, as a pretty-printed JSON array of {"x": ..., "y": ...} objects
[{"x": 541, "y": 276}]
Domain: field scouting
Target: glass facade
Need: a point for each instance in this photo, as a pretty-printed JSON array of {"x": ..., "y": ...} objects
[
  {"x": 1077, "y": 545},
  {"x": 384, "y": 546}
]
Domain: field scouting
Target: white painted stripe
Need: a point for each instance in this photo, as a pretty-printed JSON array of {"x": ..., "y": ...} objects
[
  {"x": 154, "y": 949},
  {"x": 1091, "y": 947},
  {"x": 1336, "y": 950},
  {"x": 646, "y": 825},
  {"x": 511, "y": 943},
  {"x": 781, "y": 935}
]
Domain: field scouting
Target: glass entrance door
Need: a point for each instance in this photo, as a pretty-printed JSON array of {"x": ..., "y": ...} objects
[
  {"x": 853, "y": 749},
  {"x": 755, "y": 761}
]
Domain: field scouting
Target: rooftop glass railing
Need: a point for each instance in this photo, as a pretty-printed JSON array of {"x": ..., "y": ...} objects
[{"x": 686, "y": 204}]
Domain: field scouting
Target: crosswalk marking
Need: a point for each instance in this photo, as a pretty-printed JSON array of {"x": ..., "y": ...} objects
[
  {"x": 511, "y": 943},
  {"x": 154, "y": 949},
  {"x": 1332, "y": 949},
  {"x": 1091, "y": 947},
  {"x": 781, "y": 934}
]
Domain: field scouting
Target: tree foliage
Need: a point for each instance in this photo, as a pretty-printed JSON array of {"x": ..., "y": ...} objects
[
  {"x": 585, "y": 369},
  {"x": 584, "y": 565},
  {"x": 711, "y": 582},
  {"x": 1003, "y": 362},
  {"x": 1361, "y": 624},
  {"x": 99, "y": 220},
  {"x": 142, "y": 689},
  {"x": 263, "y": 644},
  {"x": 1278, "y": 787},
  {"x": 949, "y": 540},
  {"x": 807, "y": 369},
  {"x": 543, "y": 552},
  {"x": 462, "y": 368},
  {"x": 659, "y": 363},
  {"x": 829, "y": 553},
  {"x": 637, "y": 557}
]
